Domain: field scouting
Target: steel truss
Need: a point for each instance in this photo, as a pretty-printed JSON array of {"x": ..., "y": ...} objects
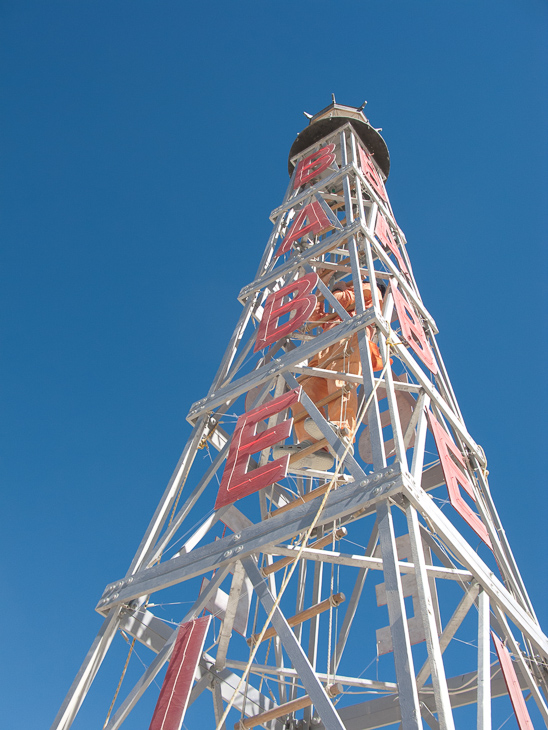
[{"x": 379, "y": 531}]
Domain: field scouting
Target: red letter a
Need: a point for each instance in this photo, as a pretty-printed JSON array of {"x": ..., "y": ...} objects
[{"x": 317, "y": 221}]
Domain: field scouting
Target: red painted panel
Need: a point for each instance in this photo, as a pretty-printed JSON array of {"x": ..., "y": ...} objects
[
  {"x": 386, "y": 237},
  {"x": 172, "y": 702},
  {"x": 301, "y": 307},
  {"x": 456, "y": 478},
  {"x": 314, "y": 165},
  {"x": 512, "y": 684},
  {"x": 310, "y": 219},
  {"x": 237, "y": 482},
  {"x": 370, "y": 172},
  {"x": 412, "y": 331}
]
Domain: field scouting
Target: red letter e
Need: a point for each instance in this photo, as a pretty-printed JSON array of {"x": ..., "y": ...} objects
[{"x": 237, "y": 482}]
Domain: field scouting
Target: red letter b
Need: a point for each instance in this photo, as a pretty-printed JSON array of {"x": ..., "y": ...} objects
[{"x": 301, "y": 307}]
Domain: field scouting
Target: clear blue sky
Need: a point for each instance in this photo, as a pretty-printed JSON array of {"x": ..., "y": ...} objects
[{"x": 143, "y": 146}]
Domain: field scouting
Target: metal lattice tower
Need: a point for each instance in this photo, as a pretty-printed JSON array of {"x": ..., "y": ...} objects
[{"x": 345, "y": 565}]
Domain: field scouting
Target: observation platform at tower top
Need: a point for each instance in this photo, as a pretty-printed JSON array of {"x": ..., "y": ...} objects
[{"x": 331, "y": 118}]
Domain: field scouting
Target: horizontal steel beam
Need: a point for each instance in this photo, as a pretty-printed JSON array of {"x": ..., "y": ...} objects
[
  {"x": 311, "y": 191},
  {"x": 343, "y": 501},
  {"x": 302, "y": 258},
  {"x": 386, "y": 710},
  {"x": 248, "y": 700},
  {"x": 262, "y": 669},
  {"x": 277, "y": 366},
  {"x": 362, "y": 561}
]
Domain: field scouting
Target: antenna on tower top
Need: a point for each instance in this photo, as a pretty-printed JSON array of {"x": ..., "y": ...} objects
[
  {"x": 362, "y": 107},
  {"x": 333, "y": 98},
  {"x": 307, "y": 115}
]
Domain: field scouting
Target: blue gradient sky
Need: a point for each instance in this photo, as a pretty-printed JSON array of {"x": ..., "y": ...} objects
[{"x": 143, "y": 147}]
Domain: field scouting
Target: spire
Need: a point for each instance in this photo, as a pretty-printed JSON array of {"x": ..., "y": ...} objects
[
  {"x": 343, "y": 519},
  {"x": 333, "y": 117}
]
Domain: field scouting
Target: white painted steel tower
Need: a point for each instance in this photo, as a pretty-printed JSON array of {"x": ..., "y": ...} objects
[{"x": 343, "y": 531}]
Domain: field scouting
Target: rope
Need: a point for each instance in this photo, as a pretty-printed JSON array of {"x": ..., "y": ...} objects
[
  {"x": 304, "y": 542},
  {"x": 265, "y": 661},
  {"x": 119, "y": 684}
]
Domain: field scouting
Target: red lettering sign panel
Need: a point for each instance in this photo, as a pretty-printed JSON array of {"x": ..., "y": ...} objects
[
  {"x": 386, "y": 237},
  {"x": 412, "y": 331},
  {"x": 456, "y": 477},
  {"x": 237, "y": 482},
  {"x": 314, "y": 165},
  {"x": 310, "y": 219},
  {"x": 512, "y": 684},
  {"x": 299, "y": 308},
  {"x": 173, "y": 700},
  {"x": 370, "y": 172}
]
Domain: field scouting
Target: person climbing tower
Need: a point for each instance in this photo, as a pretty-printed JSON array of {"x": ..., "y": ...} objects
[{"x": 337, "y": 396}]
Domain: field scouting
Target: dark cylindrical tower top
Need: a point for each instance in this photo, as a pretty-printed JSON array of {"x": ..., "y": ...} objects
[{"x": 335, "y": 116}]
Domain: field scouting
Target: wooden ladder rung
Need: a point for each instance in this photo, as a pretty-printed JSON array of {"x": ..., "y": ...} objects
[
  {"x": 286, "y": 709},
  {"x": 334, "y": 600},
  {"x": 323, "y": 402},
  {"x": 302, "y": 500},
  {"x": 316, "y": 446}
]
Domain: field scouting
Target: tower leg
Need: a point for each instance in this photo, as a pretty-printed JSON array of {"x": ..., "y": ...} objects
[
  {"x": 403, "y": 658},
  {"x": 87, "y": 672},
  {"x": 441, "y": 693},
  {"x": 484, "y": 664}
]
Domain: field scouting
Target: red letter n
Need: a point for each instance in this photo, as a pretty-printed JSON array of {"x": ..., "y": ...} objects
[
  {"x": 412, "y": 331},
  {"x": 317, "y": 222},
  {"x": 314, "y": 165},
  {"x": 300, "y": 308},
  {"x": 512, "y": 684},
  {"x": 386, "y": 237},
  {"x": 237, "y": 482},
  {"x": 456, "y": 477}
]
